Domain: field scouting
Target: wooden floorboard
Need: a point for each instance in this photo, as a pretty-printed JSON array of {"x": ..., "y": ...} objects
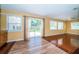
[
  {"x": 6, "y": 48},
  {"x": 32, "y": 46},
  {"x": 76, "y": 51},
  {"x": 67, "y": 48},
  {"x": 36, "y": 46}
]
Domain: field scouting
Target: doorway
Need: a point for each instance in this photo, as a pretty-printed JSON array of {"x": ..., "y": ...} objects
[{"x": 35, "y": 27}]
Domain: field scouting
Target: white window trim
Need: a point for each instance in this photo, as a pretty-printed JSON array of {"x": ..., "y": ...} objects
[{"x": 8, "y": 25}]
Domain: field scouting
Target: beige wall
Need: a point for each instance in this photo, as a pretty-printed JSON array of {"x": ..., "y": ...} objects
[
  {"x": 0, "y": 19},
  {"x": 49, "y": 32},
  {"x": 3, "y": 22},
  {"x": 14, "y": 36},
  {"x": 74, "y": 42}
]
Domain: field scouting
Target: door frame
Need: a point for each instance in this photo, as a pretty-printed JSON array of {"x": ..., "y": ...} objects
[{"x": 26, "y": 27}]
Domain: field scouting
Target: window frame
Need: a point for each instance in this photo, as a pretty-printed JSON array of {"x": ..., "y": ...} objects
[
  {"x": 14, "y": 23},
  {"x": 71, "y": 25},
  {"x": 56, "y": 25}
]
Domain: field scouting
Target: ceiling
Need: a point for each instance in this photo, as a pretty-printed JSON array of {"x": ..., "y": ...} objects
[{"x": 52, "y": 10}]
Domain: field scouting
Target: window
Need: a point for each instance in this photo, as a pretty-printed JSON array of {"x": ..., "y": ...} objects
[
  {"x": 60, "y": 26},
  {"x": 53, "y": 25},
  {"x": 75, "y": 25},
  {"x": 14, "y": 23},
  {"x": 35, "y": 24}
]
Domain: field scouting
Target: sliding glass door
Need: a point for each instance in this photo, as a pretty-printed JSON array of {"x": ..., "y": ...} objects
[{"x": 35, "y": 27}]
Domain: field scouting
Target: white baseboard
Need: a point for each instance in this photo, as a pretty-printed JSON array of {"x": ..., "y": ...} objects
[{"x": 12, "y": 40}]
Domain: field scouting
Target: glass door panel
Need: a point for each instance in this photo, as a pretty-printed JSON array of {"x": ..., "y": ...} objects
[{"x": 35, "y": 26}]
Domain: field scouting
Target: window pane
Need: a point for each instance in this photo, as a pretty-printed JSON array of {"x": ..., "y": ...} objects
[
  {"x": 18, "y": 20},
  {"x": 34, "y": 24},
  {"x": 53, "y": 25},
  {"x": 14, "y": 23},
  {"x": 11, "y": 19},
  {"x": 19, "y": 26},
  {"x": 75, "y": 25},
  {"x": 11, "y": 27},
  {"x": 60, "y": 25},
  {"x": 14, "y": 19},
  {"x": 14, "y": 27}
]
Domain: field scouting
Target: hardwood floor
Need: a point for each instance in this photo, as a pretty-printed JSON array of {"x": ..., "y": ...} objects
[
  {"x": 68, "y": 48},
  {"x": 66, "y": 42},
  {"x": 39, "y": 45},
  {"x": 35, "y": 45},
  {"x": 6, "y": 48}
]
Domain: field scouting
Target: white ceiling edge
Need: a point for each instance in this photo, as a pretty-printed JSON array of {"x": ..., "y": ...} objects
[
  {"x": 24, "y": 14},
  {"x": 59, "y": 11}
]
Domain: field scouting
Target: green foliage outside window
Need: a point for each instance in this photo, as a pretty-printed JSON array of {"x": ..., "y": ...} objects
[{"x": 35, "y": 25}]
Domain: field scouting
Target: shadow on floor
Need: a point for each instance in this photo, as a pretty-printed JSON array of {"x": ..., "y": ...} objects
[{"x": 6, "y": 48}]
